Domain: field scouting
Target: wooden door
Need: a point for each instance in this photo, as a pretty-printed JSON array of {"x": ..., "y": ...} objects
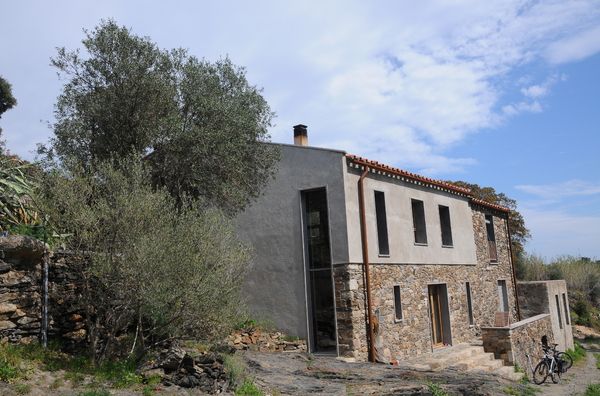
[{"x": 435, "y": 310}]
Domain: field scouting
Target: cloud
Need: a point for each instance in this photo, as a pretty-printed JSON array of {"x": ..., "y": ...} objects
[
  {"x": 399, "y": 82},
  {"x": 575, "y": 47},
  {"x": 565, "y": 189}
]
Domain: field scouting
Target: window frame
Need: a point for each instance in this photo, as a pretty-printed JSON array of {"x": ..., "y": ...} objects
[
  {"x": 383, "y": 239},
  {"x": 418, "y": 222},
  {"x": 444, "y": 212},
  {"x": 398, "y": 304},
  {"x": 469, "y": 294},
  {"x": 491, "y": 238}
]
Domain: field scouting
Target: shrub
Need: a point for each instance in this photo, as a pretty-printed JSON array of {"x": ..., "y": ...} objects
[
  {"x": 248, "y": 388},
  {"x": 592, "y": 390}
]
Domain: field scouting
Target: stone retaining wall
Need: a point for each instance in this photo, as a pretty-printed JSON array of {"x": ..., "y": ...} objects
[{"x": 512, "y": 344}]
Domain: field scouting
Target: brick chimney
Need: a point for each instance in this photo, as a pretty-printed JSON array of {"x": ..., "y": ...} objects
[{"x": 300, "y": 135}]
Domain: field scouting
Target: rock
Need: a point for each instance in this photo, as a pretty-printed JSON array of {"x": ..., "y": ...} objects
[
  {"x": 170, "y": 359},
  {"x": 155, "y": 372},
  {"x": 77, "y": 335},
  {"x": 18, "y": 313},
  {"x": 7, "y": 307},
  {"x": 21, "y": 248},
  {"x": 7, "y": 324},
  {"x": 26, "y": 320},
  {"x": 4, "y": 267},
  {"x": 76, "y": 317}
]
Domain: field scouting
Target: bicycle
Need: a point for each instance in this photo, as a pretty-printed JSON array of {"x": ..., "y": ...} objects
[{"x": 553, "y": 365}]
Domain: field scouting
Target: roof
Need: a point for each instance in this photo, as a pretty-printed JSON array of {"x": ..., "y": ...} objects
[{"x": 410, "y": 177}]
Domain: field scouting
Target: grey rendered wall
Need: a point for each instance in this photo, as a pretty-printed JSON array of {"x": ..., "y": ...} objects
[
  {"x": 539, "y": 297},
  {"x": 398, "y": 197},
  {"x": 275, "y": 287}
]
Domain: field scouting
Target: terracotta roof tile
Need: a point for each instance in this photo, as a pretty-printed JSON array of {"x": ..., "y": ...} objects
[{"x": 413, "y": 176}]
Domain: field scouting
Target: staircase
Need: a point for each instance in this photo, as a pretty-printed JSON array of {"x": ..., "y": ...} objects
[{"x": 467, "y": 358}]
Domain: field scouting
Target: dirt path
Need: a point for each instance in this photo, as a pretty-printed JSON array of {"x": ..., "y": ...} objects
[{"x": 576, "y": 380}]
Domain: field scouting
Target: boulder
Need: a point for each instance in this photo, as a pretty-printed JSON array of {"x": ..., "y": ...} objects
[{"x": 21, "y": 248}]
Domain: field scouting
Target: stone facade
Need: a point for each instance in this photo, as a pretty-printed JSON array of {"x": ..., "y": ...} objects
[
  {"x": 412, "y": 335},
  {"x": 512, "y": 344}
]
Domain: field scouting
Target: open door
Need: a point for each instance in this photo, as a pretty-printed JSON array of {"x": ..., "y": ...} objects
[
  {"x": 440, "y": 315},
  {"x": 320, "y": 282}
]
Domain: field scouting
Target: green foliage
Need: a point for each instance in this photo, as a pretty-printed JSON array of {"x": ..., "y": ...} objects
[
  {"x": 592, "y": 390},
  {"x": 22, "y": 389},
  {"x": 202, "y": 122},
  {"x": 521, "y": 390},
  {"x": 95, "y": 392},
  {"x": 7, "y": 100},
  {"x": 578, "y": 353},
  {"x": 235, "y": 368},
  {"x": 519, "y": 232},
  {"x": 17, "y": 184},
  {"x": 248, "y": 388},
  {"x": 583, "y": 281},
  {"x": 597, "y": 356},
  {"x": 436, "y": 390},
  {"x": 166, "y": 268}
]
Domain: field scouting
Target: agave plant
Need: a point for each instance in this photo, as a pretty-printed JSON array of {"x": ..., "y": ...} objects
[{"x": 16, "y": 187}]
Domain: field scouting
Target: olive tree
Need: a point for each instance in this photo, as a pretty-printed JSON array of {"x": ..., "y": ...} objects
[
  {"x": 201, "y": 124},
  {"x": 154, "y": 268}
]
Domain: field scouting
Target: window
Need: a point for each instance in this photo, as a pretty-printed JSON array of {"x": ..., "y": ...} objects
[
  {"x": 397, "y": 303},
  {"x": 419, "y": 222},
  {"x": 558, "y": 313},
  {"x": 566, "y": 307},
  {"x": 469, "y": 303},
  {"x": 446, "y": 226},
  {"x": 502, "y": 296},
  {"x": 382, "y": 232},
  {"x": 491, "y": 237}
]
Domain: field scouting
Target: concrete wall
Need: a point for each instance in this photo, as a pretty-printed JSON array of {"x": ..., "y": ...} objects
[
  {"x": 275, "y": 287},
  {"x": 540, "y": 297},
  {"x": 403, "y": 249}
]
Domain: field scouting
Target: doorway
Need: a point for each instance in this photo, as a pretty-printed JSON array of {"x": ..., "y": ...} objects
[
  {"x": 439, "y": 315},
  {"x": 320, "y": 282}
]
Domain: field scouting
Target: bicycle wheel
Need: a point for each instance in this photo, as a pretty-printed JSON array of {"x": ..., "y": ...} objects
[
  {"x": 567, "y": 360},
  {"x": 556, "y": 372},
  {"x": 540, "y": 372}
]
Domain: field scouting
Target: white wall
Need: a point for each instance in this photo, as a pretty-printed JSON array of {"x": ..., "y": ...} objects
[{"x": 398, "y": 197}]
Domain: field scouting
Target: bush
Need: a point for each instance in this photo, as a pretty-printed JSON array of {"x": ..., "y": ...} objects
[
  {"x": 592, "y": 390},
  {"x": 154, "y": 267},
  {"x": 578, "y": 353}
]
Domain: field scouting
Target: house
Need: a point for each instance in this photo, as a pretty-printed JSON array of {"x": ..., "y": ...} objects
[{"x": 373, "y": 262}]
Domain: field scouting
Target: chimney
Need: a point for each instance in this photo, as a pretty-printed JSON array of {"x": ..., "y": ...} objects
[{"x": 300, "y": 135}]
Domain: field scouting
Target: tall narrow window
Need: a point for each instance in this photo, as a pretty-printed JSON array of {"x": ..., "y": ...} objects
[
  {"x": 397, "y": 303},
  {"x": 491, "y": 237},
  {"x": 469, "y": 303},
  {"x": 445, "y": 225},
  {"x": 566, "y": 307},
  {"x": 558, "y": 313},
  {"x": 419, "y": 227},
  {"x": 382, "y": 232},
  {"x": 502, "y": 296}
]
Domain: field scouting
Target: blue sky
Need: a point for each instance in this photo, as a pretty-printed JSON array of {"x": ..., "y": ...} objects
[{"x": 504, "y": 93}]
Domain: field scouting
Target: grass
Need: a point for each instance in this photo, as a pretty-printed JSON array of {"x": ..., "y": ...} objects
[
  {"x": 237, "y": 372},
  {"x": 22, "y": 389},
  {"x": 95, "y": 392},
  {"x": 597, "y": 356},
  {"x": 436, "y": 390},
  {"x": 578, "y": 353},
  {"x": 16, "y": 361},
  {"x": 592, "y": 390},
  {"x": 523, "y": 390}
]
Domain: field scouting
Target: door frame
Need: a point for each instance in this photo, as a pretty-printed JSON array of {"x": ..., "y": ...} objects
[
  {"x": 310, "y": 338},
  {"x": 443, "y": 311}
]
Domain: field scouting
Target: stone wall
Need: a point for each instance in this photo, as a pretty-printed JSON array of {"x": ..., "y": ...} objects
[
  {"x": 21, "y": 266},
  {"x": 20, "y": 288},
  {"x": 512, "y": 344},
  {"x": 411, "y": 336}
]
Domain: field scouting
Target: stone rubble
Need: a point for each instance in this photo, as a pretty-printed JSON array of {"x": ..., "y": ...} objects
[{"x": 263, "y": 341}]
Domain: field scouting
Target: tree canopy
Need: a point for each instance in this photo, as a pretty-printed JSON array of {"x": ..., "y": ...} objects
[
  {"x": 519, "y": 232},
  {"x": 7, "y": 100},
  {"x": 200, "y": 124}
]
